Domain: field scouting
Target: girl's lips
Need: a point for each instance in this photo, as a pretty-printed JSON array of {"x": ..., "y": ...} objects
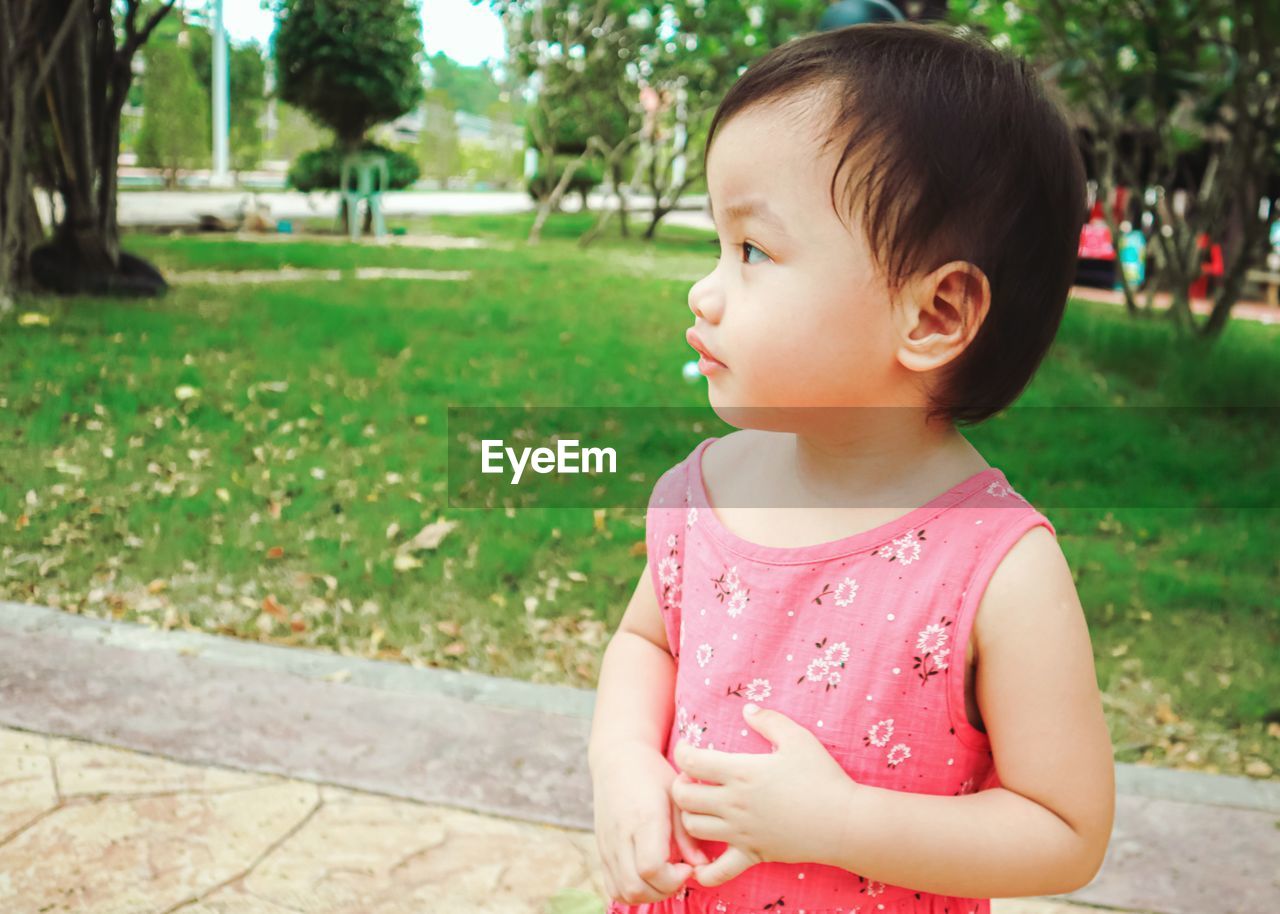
[{"x": 708, "y": 362}]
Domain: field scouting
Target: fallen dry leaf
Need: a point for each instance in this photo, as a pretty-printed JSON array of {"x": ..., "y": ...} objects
[
  {"x": 275, "y": 552},
  {"x": 269, "y": 605},
  {"x": 405, "y": 562},
  {"x": 428, "y": 537}
]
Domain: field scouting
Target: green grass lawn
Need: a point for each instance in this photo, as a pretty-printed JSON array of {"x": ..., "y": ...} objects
[{"x": 268, "y": 501}]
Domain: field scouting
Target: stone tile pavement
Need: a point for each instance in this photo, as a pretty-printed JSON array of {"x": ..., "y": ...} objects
[{"x": 152, "y": 771}]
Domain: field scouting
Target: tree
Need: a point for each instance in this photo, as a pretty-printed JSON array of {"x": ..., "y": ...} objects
[
  {"x": 574, "y": 53},
  {"x": 693, "y": 66},
  {"x": 175, "y": 132},
  {"x": 350, "y": 64},
  {"x": 471, "y": 89},
  {"x": 246, "y": 75},
  {"x": 594, "y": 62},
  {"x": 64, "y": 90},
  {"x": 438, "y": 147},
  {"x": 1160, "y": 85},
  {"x": 23, "y": 75},
  {"x": 296, "y": 133}
]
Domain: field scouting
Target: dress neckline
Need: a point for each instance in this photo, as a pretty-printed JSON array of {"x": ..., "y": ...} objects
[{"x": 867, "y": 540}]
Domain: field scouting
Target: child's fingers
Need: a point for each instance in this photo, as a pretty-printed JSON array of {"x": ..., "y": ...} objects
[
  {"x": 652, "y": 858},
  {"x": 688, "y": 845}
]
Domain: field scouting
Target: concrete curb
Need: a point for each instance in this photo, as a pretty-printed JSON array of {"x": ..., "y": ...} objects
[{"x": 513, "y": 694}]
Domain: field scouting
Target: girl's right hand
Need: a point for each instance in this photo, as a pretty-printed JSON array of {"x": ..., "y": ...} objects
[{"x": 635, "y": 824}]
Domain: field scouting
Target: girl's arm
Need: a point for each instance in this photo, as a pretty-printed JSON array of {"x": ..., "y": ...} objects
[
  {"x": 1045, "y": 830},
  {"x": 636, "y": 688}
]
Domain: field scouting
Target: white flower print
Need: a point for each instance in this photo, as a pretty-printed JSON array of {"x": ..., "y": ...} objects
[
  {"x": 721, "y": 908},
  {"x": 667, "y": 569},
  {"x": 899, "y": 754},
  {"x": 846, "y": 590},
  {"x": 758, "y": 690},
  {"x": 933, "y": 656},
  {"x": 1000, "y": 490},
  {"x": 875, "y": 737},
  {"x": 966, "y": 787},
  {"x": 704, "y": 654},
  {"x": 690, "y": 732},
  {"x": 730, "y": 585},
  {"x": 934, "y": 631},
  {"x": 875, "y": 888},
  {"x": 692, "y": 518},
  {"x": 904, "y": 549},
  {"x": 673, "y": 540},
  {"x": 827, "y": 667}
]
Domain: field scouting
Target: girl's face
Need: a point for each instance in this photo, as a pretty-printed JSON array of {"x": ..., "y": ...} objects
[{"x": 794, "y": 308}]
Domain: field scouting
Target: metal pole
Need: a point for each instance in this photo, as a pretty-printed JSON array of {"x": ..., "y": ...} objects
[{"x": 221, "y": 177}]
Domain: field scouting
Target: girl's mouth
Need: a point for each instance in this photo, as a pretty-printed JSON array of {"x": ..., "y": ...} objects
[{"x": 708, "y": 363}]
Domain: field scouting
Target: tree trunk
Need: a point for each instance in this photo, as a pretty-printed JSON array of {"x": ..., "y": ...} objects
[
  {"x": 613, "y": 164},
  {"x": 89, "y": 77},
  {"x": 552, "y": 201}
]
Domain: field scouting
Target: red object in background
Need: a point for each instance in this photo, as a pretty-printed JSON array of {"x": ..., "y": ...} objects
[
  {"x": 1095, "y": 237},
  {"x": 1095, "y": 241},
  {"x": 1200, "y": 288},
  {"x": 1095, "y": 244}
]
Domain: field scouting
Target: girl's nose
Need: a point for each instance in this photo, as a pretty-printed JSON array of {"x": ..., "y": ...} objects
[{"x": 705, "y": 300}]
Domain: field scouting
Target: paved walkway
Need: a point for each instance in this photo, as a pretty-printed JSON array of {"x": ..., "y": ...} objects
[{"x": 152, "y": 771}]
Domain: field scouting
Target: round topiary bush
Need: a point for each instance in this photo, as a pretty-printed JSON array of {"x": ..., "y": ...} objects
[
  {"x": 586, "y": 179},
  {"x": 321, "y": 169}
]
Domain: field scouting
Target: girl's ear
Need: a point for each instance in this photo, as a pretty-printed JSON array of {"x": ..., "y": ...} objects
[{"x": 938, "y": 315}]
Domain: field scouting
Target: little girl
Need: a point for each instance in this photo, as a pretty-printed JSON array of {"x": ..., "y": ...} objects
[{"x": 855, "y": 676}]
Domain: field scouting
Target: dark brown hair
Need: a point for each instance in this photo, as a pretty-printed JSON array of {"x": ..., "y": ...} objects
[{"x": 956, "y": 153}]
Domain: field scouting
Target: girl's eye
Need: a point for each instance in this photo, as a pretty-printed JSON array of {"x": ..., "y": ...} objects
[{"x": 744, "y": 245}]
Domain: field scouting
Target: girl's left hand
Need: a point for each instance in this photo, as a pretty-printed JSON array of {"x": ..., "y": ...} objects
[{"x": 786, "y": 806}]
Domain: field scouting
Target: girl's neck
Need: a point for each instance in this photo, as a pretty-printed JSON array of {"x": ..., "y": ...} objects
[{"x": 877, "y": 457}]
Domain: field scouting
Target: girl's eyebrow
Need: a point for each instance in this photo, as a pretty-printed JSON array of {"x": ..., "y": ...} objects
[{"x": 744, "y": 209}]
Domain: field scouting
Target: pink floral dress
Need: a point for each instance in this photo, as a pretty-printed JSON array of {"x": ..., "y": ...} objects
[{"x": 861, "y": 639}]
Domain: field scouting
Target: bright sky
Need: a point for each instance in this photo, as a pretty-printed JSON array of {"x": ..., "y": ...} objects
[{"x": 466, "y": 32}]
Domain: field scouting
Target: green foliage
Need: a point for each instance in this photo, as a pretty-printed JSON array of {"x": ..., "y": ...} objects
[
  {"x": 175, "y": 132},
  {"x": 438, "y": 149},
  {"x": 321, "y": 169},
  {"x": 296, "y": 133},
  {"x": 246, "y": 74},
  {"x": 350, "y": 64},
  {"x": 585, "y": 179},
  {"x": 481, "y": 163},
  {"x": 471, "y": 89}
]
